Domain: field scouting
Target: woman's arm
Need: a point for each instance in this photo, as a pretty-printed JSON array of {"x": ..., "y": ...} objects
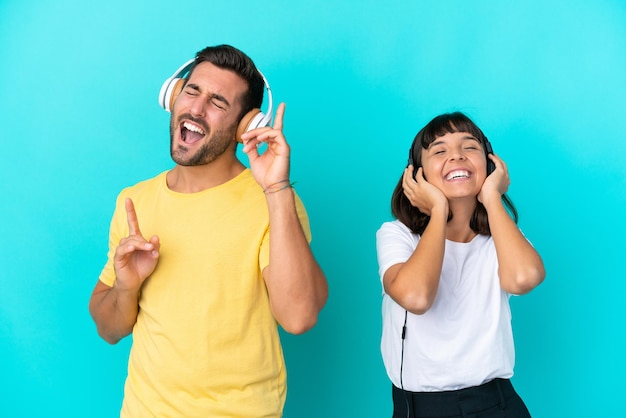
[
  {"x": 520, "y": 266},
  {"x": 414, "y": 284}
]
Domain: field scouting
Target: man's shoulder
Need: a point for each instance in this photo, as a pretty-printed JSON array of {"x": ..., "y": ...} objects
[
  {"x": 147, "y": 184},
  {"x": 144, "y": 187}
]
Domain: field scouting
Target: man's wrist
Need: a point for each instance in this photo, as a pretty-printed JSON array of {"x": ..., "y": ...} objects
[{"x": 278, "y": 186}]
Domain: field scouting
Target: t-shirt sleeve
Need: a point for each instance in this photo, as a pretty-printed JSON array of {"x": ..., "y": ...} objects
[
  {"x": 264, "y": 254},
  {"x": 394, "y": 244}
]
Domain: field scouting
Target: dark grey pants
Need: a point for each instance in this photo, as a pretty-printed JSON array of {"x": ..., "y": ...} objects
[{"x": 495, "y": 399}]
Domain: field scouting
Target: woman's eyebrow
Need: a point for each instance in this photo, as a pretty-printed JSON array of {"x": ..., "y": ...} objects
[{"x": 467, "y": 137}]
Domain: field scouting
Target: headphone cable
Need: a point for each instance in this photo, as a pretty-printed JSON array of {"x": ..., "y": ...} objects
[{"x": 406, "y": 398}]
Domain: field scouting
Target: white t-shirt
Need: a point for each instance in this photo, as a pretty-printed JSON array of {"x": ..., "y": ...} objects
[{"x": 465, "y": 338}]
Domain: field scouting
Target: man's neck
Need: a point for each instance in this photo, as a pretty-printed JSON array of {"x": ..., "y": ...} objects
[{"x": 193, "y": 179}]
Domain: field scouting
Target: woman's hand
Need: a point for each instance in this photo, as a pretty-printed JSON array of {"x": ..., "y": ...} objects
[
  {"x": 497, "y": 183},
  {"x": 421, "y": 193}
]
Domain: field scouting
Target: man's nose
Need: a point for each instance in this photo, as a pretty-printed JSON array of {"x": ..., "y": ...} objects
[{"x": 197, "y": 107}]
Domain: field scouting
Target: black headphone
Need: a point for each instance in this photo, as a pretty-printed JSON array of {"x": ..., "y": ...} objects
[
  {"x": 491, "y": 166},
  {"x": 172, "y": 87},
  {"x": 488, "y": 150}
]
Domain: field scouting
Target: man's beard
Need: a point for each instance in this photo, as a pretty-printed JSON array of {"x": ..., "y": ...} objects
[{"x": 218, "y": 143}]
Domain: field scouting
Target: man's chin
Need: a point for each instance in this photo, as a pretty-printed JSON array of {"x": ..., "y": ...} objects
[{"x": 181, "y": 157}]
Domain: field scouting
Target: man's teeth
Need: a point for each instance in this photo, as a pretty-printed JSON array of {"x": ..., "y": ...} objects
[
  {"x": 193, "y": 128},
  {"x": 457, "y": 174}
]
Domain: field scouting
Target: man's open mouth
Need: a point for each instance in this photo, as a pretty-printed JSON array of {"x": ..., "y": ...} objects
[{"x": 191, "y": 133}]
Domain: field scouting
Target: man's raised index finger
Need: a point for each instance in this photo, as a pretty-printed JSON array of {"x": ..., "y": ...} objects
[
  {"x": 278, "y": 118},
  {"x": 131, "y": 217}
]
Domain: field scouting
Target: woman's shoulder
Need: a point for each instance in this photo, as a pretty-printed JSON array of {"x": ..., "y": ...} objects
[
  {"x": 396, "y": 230},
  {"x": 394, "y": 226}
]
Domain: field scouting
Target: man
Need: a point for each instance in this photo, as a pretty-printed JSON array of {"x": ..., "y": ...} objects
[{"x": 206, "y": 258}]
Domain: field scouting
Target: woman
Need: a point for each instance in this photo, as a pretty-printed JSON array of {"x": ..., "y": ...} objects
[{"x": 448, "y": 265}]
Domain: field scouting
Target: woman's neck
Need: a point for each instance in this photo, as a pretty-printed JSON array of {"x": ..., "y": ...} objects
[{"x": 458, "y": 228}]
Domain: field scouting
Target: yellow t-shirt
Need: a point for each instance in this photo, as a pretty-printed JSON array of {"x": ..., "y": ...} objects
[{"x": 205, "y": 343}]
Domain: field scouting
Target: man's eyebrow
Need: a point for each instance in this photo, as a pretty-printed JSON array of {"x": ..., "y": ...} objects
[{"x": 215, "y": 96}]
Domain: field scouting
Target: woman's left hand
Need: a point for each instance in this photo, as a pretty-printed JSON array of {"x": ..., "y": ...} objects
[{"x": 497, "y": 183}]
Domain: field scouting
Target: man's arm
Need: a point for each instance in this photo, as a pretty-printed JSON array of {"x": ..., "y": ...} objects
[
  {"x": 295, "y": 282},
  {"x": 114, "y": 309}
]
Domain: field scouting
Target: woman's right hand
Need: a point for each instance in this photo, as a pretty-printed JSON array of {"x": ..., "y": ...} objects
[{"x": 421, "y": 193}]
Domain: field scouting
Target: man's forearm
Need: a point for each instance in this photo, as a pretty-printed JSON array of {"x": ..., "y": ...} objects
[
  {"x": 297, "y": 285},
  {"x": 114, "y": 311}
]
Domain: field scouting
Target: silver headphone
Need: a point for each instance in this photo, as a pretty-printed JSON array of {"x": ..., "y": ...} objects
[{"x": 172, "y": 87}]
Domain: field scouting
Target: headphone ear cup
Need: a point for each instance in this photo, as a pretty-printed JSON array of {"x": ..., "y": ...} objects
[
  {"x": 489, "y": 150},
  {"x": 169, "y": 92},
  {"x": 172, "y": 87},
  {"x": 251, "y": 120}
]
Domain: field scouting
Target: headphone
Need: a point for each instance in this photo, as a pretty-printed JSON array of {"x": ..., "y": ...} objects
[
  {"x": 488, "y": 150},
  {"x": 172, "y": 87}
]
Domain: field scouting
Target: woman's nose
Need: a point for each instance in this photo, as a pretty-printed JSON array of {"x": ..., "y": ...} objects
[{"x": 457, "y": 154}]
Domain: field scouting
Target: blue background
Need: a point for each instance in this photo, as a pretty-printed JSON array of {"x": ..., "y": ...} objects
[{"x": 79, "y": 120}]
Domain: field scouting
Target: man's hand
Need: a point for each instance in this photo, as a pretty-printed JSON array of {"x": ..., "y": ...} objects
[
  {"x": 135, "y": 257},
  {"x": 272, "y": 166}
]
